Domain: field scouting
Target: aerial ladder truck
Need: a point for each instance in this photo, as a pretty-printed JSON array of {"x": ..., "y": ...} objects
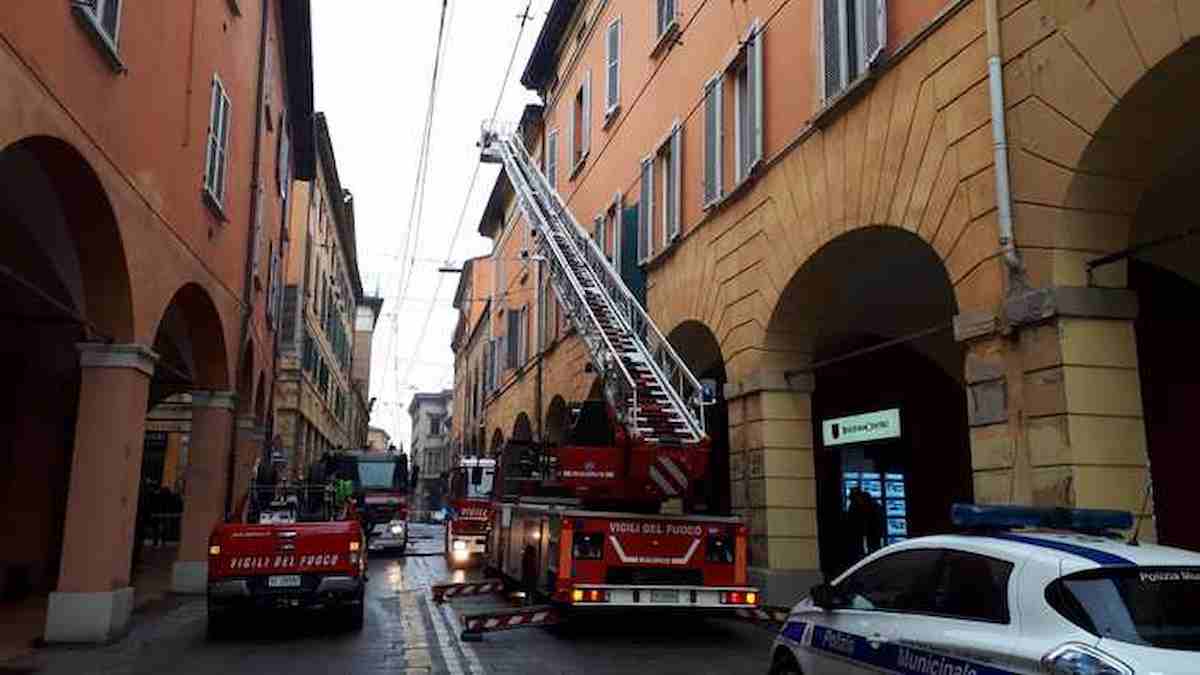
[{"x": 580, "y": 525}]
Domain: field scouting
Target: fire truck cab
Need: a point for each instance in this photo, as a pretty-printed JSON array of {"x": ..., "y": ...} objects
[{"x": 470, "y": 514}]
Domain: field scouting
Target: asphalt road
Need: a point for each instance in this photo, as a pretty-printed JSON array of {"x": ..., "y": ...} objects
[{"x": 406, "y": 632}]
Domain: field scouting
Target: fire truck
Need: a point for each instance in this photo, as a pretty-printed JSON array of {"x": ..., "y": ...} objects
[
  {"x": 381, "y": 485},
  {"x": 470, "y": 519},
  {"x": 581, "y": 525}
]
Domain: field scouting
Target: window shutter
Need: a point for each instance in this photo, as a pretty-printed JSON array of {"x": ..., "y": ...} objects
[
  {"x": 110, "y": 17},
  {"x": 613, "y": 90},
  {"x": 552, "y": 159},
  {"x": 676, "y": 175},
  {"x": 283, "y": 163},
  {"x": 874, "y": 30},
  {"x": 214, "y": 128},
  {"x": 571, "y": 139},
  {"x": 616, "y": 232},
  {"x": 598, "y": 232},
  {"x": 712, "y": 124},
  {"x": 646, "y": 209},
  {"x": 586, "y": 132},
  {"x": 755, "y": 59},
  {"x": 833, "y": 46}
]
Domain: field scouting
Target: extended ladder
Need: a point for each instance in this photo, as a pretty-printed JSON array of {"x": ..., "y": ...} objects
[{"x": 656, "y": 397}]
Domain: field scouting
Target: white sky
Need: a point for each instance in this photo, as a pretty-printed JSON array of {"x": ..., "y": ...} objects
[{"x": 373, "y": 60}]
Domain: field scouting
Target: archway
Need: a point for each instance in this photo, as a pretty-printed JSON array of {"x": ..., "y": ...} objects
[
  {"x": 557, "y": 419},
  {"x": 701, "y": 351},
  {"x": 63, "y": 280},
  {"x": 1148, "y": 150},
  {"x": 522, "y": 429},
  {"x": 190, "y": 341},
  {"x": 865, "y": 325}
]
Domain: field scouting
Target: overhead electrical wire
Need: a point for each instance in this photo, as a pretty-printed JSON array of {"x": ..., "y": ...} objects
[
  {"x": 525, "y": 16},
  {"x": 415, "y": 208}
]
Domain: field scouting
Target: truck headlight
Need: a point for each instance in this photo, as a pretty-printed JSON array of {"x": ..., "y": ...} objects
[
  {"x": 460, "y": 545},
  {"x": 1080, "y": 659},
  {"x": 397, "y": 529}
]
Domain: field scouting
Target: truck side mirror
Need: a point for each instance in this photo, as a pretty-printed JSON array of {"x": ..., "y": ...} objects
[{"x": 827, "y": 597}]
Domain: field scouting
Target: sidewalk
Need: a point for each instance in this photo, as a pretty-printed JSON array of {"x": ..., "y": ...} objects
[{"x": 22, "y": 623}]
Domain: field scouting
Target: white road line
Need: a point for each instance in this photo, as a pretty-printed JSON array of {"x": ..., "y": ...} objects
[
  {"x": 451, "y": 620},
  {"x": 450, "y": 655}
]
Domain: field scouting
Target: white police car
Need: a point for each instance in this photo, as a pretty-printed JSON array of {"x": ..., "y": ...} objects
[{"x": 1061, "y": 596}]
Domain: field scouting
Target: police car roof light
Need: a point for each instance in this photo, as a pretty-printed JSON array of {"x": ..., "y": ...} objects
[{"x": 978, "y": 517}]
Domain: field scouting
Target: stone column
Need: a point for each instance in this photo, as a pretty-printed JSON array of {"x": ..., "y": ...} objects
[
  {"x": 1056, "y": 408},
  {"x": 94, "y": 599},
  {"x": 774, "y": 480},
  {"x": 204, "y": 500},
  {"x": 249, "y": 448}
]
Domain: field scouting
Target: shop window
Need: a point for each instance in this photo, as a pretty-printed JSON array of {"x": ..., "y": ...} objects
[
  {"x": 217, "y": 147},
  {"x": 853, "y": 36}
]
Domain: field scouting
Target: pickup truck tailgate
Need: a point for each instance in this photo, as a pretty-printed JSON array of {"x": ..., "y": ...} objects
[{"x": 301, "y": 548}]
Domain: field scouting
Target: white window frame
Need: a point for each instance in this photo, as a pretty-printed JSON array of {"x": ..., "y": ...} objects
[
  {"x": 670, "y": 154},
  {"x": 714, "y": 146},
  {"x": 616, "y": 211},
  {"x": 646, "y": 211},
  {"x": 552, "y": 158},
  {"x": 666, "y": 17},
  {"x": 865, "y": 55},
  {"x": 751, "y": 60},
  {"x": 612, "y": 70},
  {"x": 582, "y": 99},
  {"x": 218, "y": 139},
  {"x": 92, "y": 13}
]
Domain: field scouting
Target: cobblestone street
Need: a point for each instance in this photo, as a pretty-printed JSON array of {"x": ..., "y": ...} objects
[{"x": 406, "y": 632}]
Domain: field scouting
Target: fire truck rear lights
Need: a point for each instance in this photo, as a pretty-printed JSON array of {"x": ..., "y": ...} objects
[
  {"x": 589, "y": 595},
  {"x": 739, "y": 598},
  {"x": 354, "y": 546},
  {"x": 214, "y": 550}
]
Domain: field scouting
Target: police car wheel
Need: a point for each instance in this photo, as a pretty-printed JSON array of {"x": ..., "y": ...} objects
[{"x": 785, "y": 664}]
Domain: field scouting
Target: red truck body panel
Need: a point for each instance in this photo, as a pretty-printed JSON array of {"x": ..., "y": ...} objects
[{"x": 298, "y": 548}]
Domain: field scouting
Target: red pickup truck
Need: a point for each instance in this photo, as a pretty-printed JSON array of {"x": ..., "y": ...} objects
[{"x": 288, "y": 547}]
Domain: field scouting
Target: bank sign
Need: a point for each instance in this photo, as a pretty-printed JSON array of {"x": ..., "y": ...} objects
[{"x": 872, "y": 426}]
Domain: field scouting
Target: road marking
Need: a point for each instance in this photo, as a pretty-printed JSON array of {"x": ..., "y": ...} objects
[{"x": 449, "y": 616}]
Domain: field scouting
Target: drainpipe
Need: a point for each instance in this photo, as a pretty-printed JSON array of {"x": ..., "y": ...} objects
[
  {"x": 248, "y": 279},
  {"x": 1008, "y": 246}
]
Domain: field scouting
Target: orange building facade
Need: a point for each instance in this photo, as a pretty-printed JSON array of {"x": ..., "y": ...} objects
[
  {"x": 146, "y": 152},
  {"x": 928, "y": 249}
]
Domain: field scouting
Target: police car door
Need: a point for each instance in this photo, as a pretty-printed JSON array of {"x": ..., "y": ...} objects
[
  {"x": 967, "y": 626},
  {"x": 859, "y": 637}
]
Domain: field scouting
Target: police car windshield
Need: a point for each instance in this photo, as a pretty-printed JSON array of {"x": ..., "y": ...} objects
[{"x": 1151, "y": 606}]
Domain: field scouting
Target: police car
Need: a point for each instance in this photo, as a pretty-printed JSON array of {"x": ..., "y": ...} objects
[{"x": 1027, "y": 590}]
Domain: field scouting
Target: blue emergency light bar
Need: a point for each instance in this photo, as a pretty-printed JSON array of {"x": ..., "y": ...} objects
[{"x": 978, "y": 517}]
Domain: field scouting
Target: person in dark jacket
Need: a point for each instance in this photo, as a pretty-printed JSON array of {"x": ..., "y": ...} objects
[{"x": 864, "y": 526}]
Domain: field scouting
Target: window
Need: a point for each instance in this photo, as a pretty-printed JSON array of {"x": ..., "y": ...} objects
[
  {"x": 552, "y": 158},
  {"x": 435, "y": 425},
  {"x": 713, "y": 141},
  {"x": 612, "y": 232},
  {"x": 581, "y": 122},
  {"x": 854, "y": 33},
  {"x": 272, "y": 284},
  {"x": 1149, "y": 606},
  {"x": 612, "y": 60},
  {"x": 217, "y": 148},
  {"x": 670, "y": 155},
  {"x": 972, "y": 587},
  {"x": 748, "y": 113},
  {"x": 543, "y": 310},
  {"x": 283, "y": 158},
  {"x": 665, "y": 18},
  {"x": 598, "y": 233},
  {"x": 524, "y": 334},
  {"x": 646, "y": 210},
  {"x": 103, "y": 19},
  {"x": 900, "y": 582}
]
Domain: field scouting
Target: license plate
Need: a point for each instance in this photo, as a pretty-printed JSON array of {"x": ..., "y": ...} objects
[
  {"x": 664, "y": 597},
  {"x": 284, "y": 581}
]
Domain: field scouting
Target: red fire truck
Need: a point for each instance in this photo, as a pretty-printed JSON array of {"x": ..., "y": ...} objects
[{"x": 470, "y": 519}]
